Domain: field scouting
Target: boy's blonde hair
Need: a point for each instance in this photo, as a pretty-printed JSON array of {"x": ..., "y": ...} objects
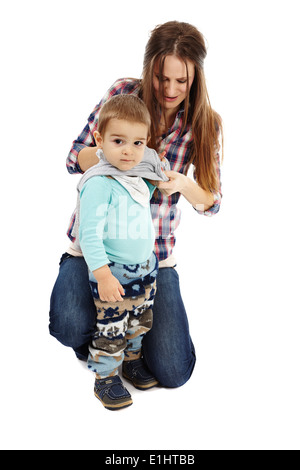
[{"x": 126, "y": 107}]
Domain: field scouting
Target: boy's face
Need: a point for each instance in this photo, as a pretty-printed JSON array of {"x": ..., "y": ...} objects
[{"x": 123, "y": 143}]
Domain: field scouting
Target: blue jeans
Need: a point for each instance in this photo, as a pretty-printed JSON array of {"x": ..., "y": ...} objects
[{"x": 167, "y": 349}]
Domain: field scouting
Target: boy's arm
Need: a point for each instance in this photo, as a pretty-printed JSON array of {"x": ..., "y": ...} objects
[{"x": 94, "y": 202}]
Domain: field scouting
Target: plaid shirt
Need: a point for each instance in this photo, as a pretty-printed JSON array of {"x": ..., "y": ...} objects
[{"x": 165, "y": 212}]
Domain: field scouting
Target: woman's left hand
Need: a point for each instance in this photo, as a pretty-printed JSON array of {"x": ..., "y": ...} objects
[{"x": 176, "y": 183}]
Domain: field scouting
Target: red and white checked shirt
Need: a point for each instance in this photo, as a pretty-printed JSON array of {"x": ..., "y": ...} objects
[{"x": 165, "y": 212}]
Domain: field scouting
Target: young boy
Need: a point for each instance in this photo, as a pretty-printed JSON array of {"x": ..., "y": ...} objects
[{"x": 114, "y": 227}]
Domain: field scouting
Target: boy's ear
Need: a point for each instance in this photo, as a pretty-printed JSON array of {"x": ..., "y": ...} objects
[{"x": 98, "y": 139}]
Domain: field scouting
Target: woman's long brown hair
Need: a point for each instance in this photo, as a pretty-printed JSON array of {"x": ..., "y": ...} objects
[{"x": 187, "y": 43}]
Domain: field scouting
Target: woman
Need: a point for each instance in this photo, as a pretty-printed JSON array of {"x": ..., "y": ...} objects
[{"x": 185, "y": 127}]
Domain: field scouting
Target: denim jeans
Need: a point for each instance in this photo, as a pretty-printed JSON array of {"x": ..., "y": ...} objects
[{"x": 167, "y": 349}]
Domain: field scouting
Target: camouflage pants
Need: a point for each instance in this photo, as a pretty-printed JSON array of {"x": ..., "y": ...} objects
[{"x": 121, "y": 325}]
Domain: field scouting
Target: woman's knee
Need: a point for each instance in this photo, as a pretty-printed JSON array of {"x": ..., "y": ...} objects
[
  {"x": 171, "y": 370},
  {"x": 67, "y": 331},
  {"x": 176, "y": 375}
]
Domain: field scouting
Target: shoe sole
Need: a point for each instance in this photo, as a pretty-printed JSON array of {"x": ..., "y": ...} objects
[
  {"x": 152, "y": 384},
  {"x": 116, "y": 407}
]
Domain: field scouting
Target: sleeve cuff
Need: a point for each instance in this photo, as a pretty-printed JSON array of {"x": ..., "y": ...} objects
[
  {"x": 213, "y": 209},
  {"x": 73, "y": 166}
]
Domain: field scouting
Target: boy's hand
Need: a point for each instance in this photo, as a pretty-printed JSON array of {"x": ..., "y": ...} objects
[{"x": 109, "y": 288}]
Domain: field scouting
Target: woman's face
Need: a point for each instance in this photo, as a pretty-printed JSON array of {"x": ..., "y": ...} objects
[{"x": 174, "y": 83}]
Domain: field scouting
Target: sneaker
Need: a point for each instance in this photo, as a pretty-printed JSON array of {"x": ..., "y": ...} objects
[
  {"x": 112, "y": 393},
  {"x": 138, "y": 373}
]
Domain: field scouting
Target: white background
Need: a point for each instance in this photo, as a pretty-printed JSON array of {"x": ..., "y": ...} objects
[{"x": 239, "y": 270}]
